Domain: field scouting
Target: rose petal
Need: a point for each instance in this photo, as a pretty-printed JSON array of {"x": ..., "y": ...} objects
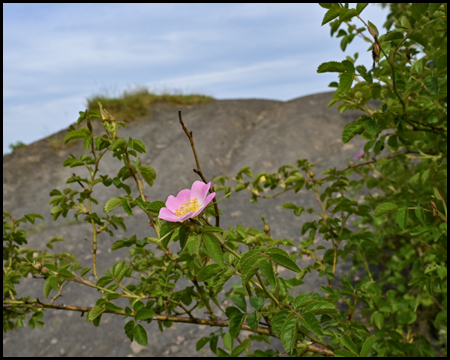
[
  {"x": 206, "y": 202},
  {"x": 359, "y": 154},
  {"x": 199, "y": 190},
  {"x": 184, "y": 195},
  {"x": 166, "y": 214},
  {"x": 187, "y": 216},
  {"x": 173, "y": 203}
]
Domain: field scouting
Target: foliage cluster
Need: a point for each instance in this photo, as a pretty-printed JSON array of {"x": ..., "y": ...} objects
[
  {"x": 135, "y": 103},
  {"x": 16, "y": 145},
  {"x": 397, "y": 193}
]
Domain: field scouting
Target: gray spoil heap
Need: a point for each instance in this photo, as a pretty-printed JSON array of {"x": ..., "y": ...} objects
[{"x": 228, "y": 135}]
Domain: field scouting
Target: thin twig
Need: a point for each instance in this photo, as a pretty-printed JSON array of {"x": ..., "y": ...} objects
[{"x": 199, "y": 169}]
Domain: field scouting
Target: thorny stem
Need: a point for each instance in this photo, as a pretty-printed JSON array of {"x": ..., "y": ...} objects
[
  {"x": 274, "y": 299},
  {"x": 140, "y": 187},
  {"x": 199, "y": 170},
  {"x": 94, "y": 231},
  {"x": 36, "y": 303},
  {"x": 206, "y": 301},
  {"x": 94, "y": 249}
]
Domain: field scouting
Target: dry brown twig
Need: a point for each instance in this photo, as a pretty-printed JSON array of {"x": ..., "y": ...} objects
[{"x": 199, "y": 170}]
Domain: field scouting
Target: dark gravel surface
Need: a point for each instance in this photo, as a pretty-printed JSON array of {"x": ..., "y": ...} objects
[{"x": 228, "y": 134}]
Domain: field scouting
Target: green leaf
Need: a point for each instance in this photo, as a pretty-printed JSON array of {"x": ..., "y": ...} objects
[
  {"x": 77, "y": 134},
  {"x": 119, "y": 142},
  {"x": 285, "y": 261},
  {"x": 213, "y": 343},
  {"x": 434, "y": 7},
  {"x": 332, "y": 66},
  {"x": 365, "y": 74},
  {"x": 321, "y": 308},
  {"x": 105, "y": 280},
  {"x": 140, "y": 335},
  {"x": 221, "y": 353},
  {"x": 416, "y": 280},
  {"x": 139, "y": 146},
  {"x": 441, "y": 62},
  {"x": 144, "y": 313},
  {"x": 228, "y": 341},
  {"x": 50, "y": 284},
  {"x": 275, "y": 250},
  {"x": 148, "y": 174},
  {"x": 223, "y": 279},
  {"x": 405, "y": 22},
  {"x": 256, "y": 302},
  {"x": 113, "y": 307},
  {"x": 202, "y": 342},
  {"x": 209, "y": 271},
  {"x": 267, "y": 271},
  {"x": 348, "y": 343},
  {"x": 347, "y": 14},
  {"x": 371, "y": 127},
  {"x": 278, "y": 321},
  {"x": 420, "y": 215},
  {"x": 406, "y": 317},
  {"x": 96, "y": 311},
  {"x": 418, "y": 10},
  {"x": 289, "y": 334},
  {"x": 252, "y": 321},
  {"x": 402, "y": 217},
  {"x": 432, "y": 84},
  {"x": 235, "y": 325},
  {"x": 129, "y": 329},
  {"x": 247, "y": 257},
  {"x": 245, "y": 170},
  {"x": 378, "y": 319},
  {"x": 331, "y": 14},
  {"x": 232, "y": 311},
  {"x": 167, "y": 228},
  {"x": 360, "y": 7},
  {"x": 352, "y": 129},
  {"x": 310, "y": 322},
  {"x": 346, "y": 81},
  {"x": 251, "y": 269},
  {"x": 238, "y": 350},
  {"x": 112, "y": 203},
  {"x": 385, "y": 208},
  {"x": 66, "y": 273},
  {"x": 289, "y": 206},
  {"x": 126, "y": 206},
  {"x": 344, "y": 353},
  {"x": 239, "y": 301},
  {"x": 367, "y": 346},
  {"x": 213, "y": 248}
]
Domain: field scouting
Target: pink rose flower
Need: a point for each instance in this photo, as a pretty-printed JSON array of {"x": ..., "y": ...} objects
[{"x": 188, "y": 203}]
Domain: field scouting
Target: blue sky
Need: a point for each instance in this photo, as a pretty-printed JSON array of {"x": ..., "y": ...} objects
[{"x": 55, "y": 56}]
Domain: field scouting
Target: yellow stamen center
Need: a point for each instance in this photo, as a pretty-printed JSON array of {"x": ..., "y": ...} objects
[{"x": 191, "y": 205}]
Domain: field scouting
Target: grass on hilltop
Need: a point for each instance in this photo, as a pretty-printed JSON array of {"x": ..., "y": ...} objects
[{"x": 135, "y": 103}]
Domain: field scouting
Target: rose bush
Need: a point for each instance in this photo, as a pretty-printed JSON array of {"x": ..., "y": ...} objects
[{"x": 397, "y": 192}]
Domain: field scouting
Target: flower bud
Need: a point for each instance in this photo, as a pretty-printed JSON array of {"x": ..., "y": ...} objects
[
  {"x": 44, "y": 270},
  {"x": 266, "y": 228}
]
